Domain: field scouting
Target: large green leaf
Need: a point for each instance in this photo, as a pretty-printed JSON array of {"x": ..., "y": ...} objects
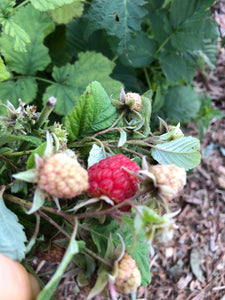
[
  {"x": 178, "y": 66},
  {"x": 11, "y": 28},
  {"x": 12, "y": 236},
  {"x": 183, "y": 152},
  {"x": 94, "y": 112},
  {"x": 24, "y": 88},
  {"x": 181, "y": 104},
  {"x": 72, "y": 80},
  {"x": 36, "y": 58},
  {"x": 118, "y": 18},
  {"x": 186, "y": 17}
]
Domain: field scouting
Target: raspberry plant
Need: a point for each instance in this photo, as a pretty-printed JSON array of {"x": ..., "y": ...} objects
[
  {"x": 102, "y": 179},
  {"x": 76, "y": 88}
]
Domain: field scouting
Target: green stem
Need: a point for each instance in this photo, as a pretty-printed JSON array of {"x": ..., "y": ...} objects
[
  {"x": 163, "y": 44},
  {"x": 21, "y": 4},
  {"x": 18, "y": 153},
  {"x": 45, "y": 112},
  {"x": 44, "y": 80},
  {"x": 147, "y": 78}
]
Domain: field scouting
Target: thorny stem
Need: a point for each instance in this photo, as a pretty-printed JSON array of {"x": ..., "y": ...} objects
[{"x": 45, "y": 112}]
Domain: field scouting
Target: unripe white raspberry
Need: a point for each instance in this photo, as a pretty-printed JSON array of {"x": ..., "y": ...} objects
[
  {"x": 137, "y": 100},
  {"x": 169, "y": 178},
  {"x": 62, "y": 177},
  {"x": 129, "y": 277}
]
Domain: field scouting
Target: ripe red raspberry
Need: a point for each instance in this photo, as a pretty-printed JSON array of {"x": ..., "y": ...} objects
[
  {"x": 109, "y": 178},
  {"x": 62, "y": 176}
]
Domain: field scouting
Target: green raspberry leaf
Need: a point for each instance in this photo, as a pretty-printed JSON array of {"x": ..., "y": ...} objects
[
  {"x": 183, "y": 152},
  {"x": 181, "y": 104},
  {"x": 72, "y": 80},
  {"x": 94, "y": 112},
  {"x": 36, "y": 57},
  {"x": 121, "y": 19},
  {"x": 25, "y": 88},
  {"x": 12, "y": 236},
  {"x": 19, "y": 35}
]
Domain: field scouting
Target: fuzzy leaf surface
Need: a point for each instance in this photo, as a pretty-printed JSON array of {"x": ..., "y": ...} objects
[
  {"x": 94, "y": 112},
  {"x": 36, "y": 57},
  {"x": 12, "y": 236},
  {"x": 118, "y": 18},
  {"x": 183, "y": 152},
  {"x": 72, "y": 80}
]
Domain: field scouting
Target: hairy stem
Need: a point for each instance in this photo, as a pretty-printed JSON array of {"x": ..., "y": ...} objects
[{"x": 45, "y": 112}]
